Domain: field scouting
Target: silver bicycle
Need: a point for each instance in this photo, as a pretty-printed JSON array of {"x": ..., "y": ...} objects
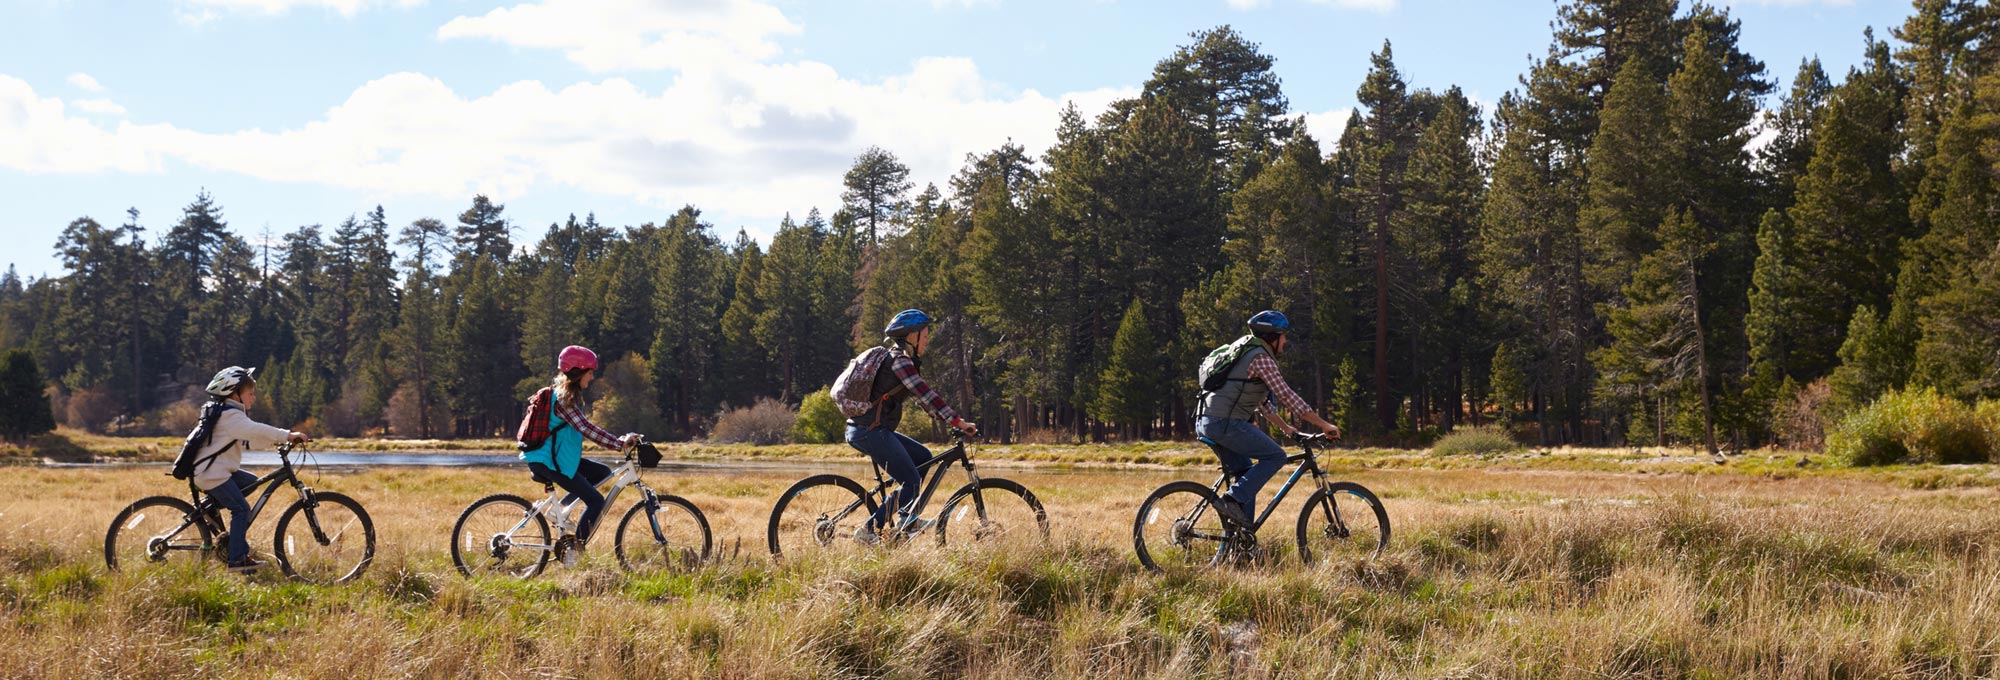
[{"x": 505, "y": 534}]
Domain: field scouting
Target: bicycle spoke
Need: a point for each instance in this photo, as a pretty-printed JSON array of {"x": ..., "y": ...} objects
[
  {"x": 1176, "y": 529},
  {"x": 499, "y": 535}
]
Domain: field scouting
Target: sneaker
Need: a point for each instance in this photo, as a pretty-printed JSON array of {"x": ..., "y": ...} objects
[
  {"x": 247, "y": 565},
  {"x": 1232, "y": 511},
  {"x": 917, "y": 525},
  {"x": 569, "y": 550},
  {"x": 866, "y": 536}
]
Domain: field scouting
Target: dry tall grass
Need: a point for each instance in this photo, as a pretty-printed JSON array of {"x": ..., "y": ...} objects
[{"x": 1526, "y": 574}]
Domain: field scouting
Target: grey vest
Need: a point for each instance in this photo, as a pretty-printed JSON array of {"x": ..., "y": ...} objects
[
  {"x": 888, "y": 394},
  {"x": 1239, "y": 397}
]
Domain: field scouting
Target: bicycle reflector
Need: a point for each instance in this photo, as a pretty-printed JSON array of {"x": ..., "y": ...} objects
[{"x": 649, "y": 455}]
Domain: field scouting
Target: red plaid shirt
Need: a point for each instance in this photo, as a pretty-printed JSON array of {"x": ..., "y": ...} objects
[
  {"x": 1265, "y": 369},
  {"x": 535, "y": 426}
]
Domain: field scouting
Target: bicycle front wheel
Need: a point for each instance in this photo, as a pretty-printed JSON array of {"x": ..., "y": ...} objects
[
  {"x": 668, "y": 535},
  {"x": 501, "y": 534},
  {"x": 819, "y": 512},
  {"x": 152, "y": 531},
  {"x": 1178, "y": 528},
  {"x": 327, "y": 540},
  {"x": 1342, "y": 523},
  {"x": 993, "y": 512}
]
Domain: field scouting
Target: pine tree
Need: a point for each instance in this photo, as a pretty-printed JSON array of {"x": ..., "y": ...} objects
[
  {"x": 483, "y": 232},
  {"x": 1128, "y": 389},
  {"x": 1660, "y": 338},
  {"x": 1785, "y": 157},
  {"x": 745, "y": 363},
  {"x": 1866, "y": 365},
  {"x": 1774, "y": 322},
  {"x": 484, "y": 360},
  {"x": 1850, "y": 215},
  {"x": 786, "y": 325},
  {"x": 687, "y": 299},
  {"x": 24, "y": 408},
  {"x": 875, "y": 187},
  {"x": 1224, "y": 85},
  {"x": 1435, "y": 232},
  {"x": 1627, "y": 165}
]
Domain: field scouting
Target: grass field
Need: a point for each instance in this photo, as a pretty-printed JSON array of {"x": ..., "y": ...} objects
[{"x": 1499, "y": 568}]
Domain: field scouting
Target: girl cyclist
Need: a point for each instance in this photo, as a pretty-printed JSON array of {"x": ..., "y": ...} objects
[
  {"x": 891, "y": 374},
  {"x": 559, "y": 430}
]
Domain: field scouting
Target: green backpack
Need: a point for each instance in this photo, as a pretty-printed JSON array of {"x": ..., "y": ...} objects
[{"x": 1215, "y": 369}]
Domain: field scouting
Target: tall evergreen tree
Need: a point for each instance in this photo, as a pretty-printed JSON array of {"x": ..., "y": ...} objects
[
  {"x": 875, "y": 188},
  {"x": 1129, "y": 388}
]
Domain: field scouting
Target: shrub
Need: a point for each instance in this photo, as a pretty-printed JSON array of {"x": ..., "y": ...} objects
[
  {"x": 1799, "y": 417},
  {"x": 175, "y": 418},
  {"x": 623, "y": 398},
  {"x": 406, "y": 420},
  {"x": 1476, "y": 441},
  {"x": 767, "y": 422},
  {"x": 91, "y": 410},
  {"x": 24, "y": 404},
  {"x": 1923, "y": 426},
  {"x": 342, "y": 417},
  {"x": 819, "y": 421}
]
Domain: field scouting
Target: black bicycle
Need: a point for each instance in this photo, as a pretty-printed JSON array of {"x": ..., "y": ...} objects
[
  {"x": 323, "y": 537},
  {"x": 1178, "y": 526},
  {"x": 505, "y": 534},
  {"x": 824, "y": 511}
]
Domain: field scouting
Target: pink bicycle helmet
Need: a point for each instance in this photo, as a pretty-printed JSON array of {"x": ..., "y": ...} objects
[{"x": 576, "y": 356}]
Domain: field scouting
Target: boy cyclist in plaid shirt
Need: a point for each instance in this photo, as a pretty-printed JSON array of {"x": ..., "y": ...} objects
[
  {"x": 1253, "y": 388},
  {"x": 871, "y": 394}
]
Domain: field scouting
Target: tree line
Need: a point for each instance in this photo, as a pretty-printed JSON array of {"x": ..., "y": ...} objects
[{"x": 1613, "y": 254}]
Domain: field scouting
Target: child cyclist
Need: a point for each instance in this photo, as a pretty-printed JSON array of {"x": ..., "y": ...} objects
[
  {"x": 218, "y": 468},
  {"x": 559, "y": 431},
  {"x": 875, "y": 408}
]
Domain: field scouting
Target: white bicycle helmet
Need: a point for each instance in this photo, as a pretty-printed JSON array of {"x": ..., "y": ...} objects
[{"x": 229, "y": 379}]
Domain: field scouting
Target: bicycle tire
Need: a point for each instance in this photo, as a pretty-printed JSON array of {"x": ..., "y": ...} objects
[
  {"x": 989, "y": 522},
  {"x": 1342, "y": 534},
  {"x": 307, "y": 566},
  {"x": 640, "y": 553},
  {"x": 465, "y": 557},
  {"x": 822, "y": 531},
  {"x": 180, "y": 516}
]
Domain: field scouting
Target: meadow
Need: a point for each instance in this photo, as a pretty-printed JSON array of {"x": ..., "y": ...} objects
[{"x": 1548, "y": 565}]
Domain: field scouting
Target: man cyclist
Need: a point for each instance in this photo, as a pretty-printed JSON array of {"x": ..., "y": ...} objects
[
  {"x": 1253, "y": 386},
  {"x": 890, "y": 370}
]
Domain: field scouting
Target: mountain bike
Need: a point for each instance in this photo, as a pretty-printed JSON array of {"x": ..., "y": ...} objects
[
  {"x": 822, "y": 511},
  {"x": 323, "y": 537},
  {"x": 1177, "y": 526},
  {"x": 505, "y": 534}
]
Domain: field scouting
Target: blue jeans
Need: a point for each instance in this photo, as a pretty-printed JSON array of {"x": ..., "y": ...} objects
[
  {"x": 898, "y": 454},
  {"x": 589, "y": 474},
  {"x": 1244, "y": 442},
  {"x": 229, "y": 495}
]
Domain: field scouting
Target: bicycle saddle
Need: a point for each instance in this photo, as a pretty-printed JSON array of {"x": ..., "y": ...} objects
[{"x": 548, "y": 485}]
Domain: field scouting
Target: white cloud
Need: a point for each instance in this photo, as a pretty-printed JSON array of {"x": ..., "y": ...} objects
[
  {"x": 1245, "y": 4},
  {"x": 99, "y": 106},
  {"x": 609, "y": 35},
  {"x": 37, "y": 135},
  {"x": 202, "y": 10},
  {"x": 83, "y": 81},
  {"x": 759, "y": 142},
  {"x": 1326, "y": 126}
]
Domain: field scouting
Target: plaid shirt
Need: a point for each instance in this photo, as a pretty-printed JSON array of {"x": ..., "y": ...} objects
[
  {"x": 926, "y": 397},
  {"x": 574, "y": 416},
  {"x": 1265, "y": 369},
  {"x": 536, "y": 425}
]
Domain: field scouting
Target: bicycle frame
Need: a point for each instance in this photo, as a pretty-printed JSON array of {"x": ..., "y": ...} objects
[
  {"x": 204, "y": 502},
  {"x": 1311, "y": 464},
  {"x": 915, "y": 506},
  {"x": 558, "y": 513}
]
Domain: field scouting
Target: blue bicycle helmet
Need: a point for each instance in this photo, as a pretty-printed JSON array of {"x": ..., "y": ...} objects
[
  {"x": 906, "y": 322},
  {"x": 1270, "y": 321}
]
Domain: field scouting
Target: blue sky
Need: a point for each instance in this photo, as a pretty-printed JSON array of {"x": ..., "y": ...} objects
[{"x": 295, "y": 112}]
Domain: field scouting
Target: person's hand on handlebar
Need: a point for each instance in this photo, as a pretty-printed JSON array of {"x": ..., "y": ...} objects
[
  {"x": 297, "y": 438},
  {"x": 971, "y": 429},
  {"x": 631, "y": 439}
]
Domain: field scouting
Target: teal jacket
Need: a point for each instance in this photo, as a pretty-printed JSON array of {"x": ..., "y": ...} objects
[{"x": 562, "y": 452}]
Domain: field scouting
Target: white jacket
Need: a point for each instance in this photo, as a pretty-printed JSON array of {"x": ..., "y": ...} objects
[{"x": 234, "y": 432}]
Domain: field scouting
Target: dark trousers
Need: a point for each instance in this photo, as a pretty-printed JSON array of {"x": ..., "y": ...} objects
[
  {"x": 589, "y": 474},
  {"x": 898, "y": 454}
]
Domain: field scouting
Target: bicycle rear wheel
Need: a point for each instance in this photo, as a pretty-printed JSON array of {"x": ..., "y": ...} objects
[
  {"x": 501, "y": 534},
  {"x": 1341, "y": 523},
  {"x": 152, "y": 531},
  {"x": 329, "y": 540},
  {"x": 673, "y": 536},
  {"x": 996, "y": 512},
  {"x": 1178, "y": 528},
  {"x": 819, "y": 512}
]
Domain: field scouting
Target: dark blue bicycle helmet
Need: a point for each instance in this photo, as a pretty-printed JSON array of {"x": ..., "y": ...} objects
[
  {"x": 1270, "y": 321},
  {"x": 906, "y": 322}
]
